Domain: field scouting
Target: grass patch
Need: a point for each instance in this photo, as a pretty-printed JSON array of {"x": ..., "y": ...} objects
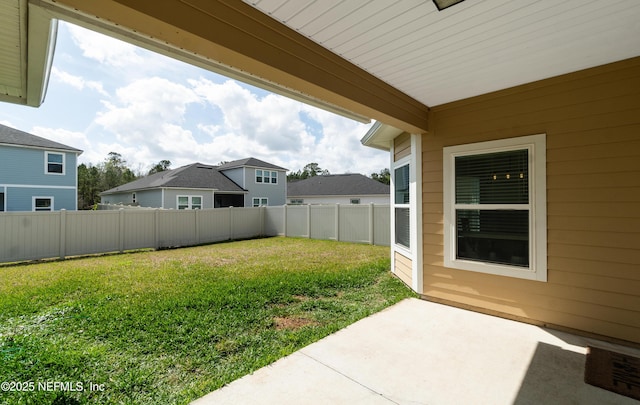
[{"x": 171, "y": 326}]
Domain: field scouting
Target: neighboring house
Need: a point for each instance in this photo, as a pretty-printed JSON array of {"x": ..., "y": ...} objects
[
  {"x": 36, "y": 174},
  {"x": 198, "y": 186},
  {"x": 266, "y": 184},
  {"x": 337, "y": 189}
]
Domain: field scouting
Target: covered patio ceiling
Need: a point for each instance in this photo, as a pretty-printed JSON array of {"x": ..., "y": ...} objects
[{"x": 367, "y": 59}]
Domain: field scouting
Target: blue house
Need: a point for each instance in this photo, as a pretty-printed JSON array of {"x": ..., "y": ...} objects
[{"x": 36, "y": 174}]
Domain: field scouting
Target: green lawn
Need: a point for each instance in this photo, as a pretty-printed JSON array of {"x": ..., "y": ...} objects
[{"x": 170, "y": 326}]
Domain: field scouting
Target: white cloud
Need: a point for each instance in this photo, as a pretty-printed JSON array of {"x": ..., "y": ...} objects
[
  {"x": 74, "y": 139},
  {"x": 158, "y": 112},
  {"x": 150, "y": 115},
  {"x": 77, "y": 81},
  {"x": 104, "y": 49},
  {"x": 142, "y": 110}
]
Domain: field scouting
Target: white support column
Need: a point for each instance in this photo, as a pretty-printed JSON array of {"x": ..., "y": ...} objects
[{"x": 416, "y": 213}]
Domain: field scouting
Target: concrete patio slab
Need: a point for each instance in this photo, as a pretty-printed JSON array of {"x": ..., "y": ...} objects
[{"x": 419, "y": 352}]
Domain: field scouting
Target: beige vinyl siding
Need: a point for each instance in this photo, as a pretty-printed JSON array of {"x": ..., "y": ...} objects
[
  {"x": 402, "y": 146},
  {"x": 402, "y": 265},
  {"x": 592, "y": 122}
]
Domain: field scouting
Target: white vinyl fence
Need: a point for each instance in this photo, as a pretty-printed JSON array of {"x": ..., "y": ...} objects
[{"x": 40, "y": 235}]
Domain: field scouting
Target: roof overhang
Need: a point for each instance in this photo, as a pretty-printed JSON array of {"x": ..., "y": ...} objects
[
  {"x": 381, "y": 136},
  {"x": 366, "y": 60},
  {"x": 239, "y": 41},
  {"x": 27, "y": 44}
]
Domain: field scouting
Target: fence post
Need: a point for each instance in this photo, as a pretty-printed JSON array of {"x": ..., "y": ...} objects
[
  {"x": 262, "y": 219},
  {"x": 284, "y": 219},
  {"x": 371, "y": 220},
  {"x": 309, "y": 221},
  {"x": 63, "y": 233},
  {"x": 230, "y": 223},
  {"x": 337, "y": 222}
]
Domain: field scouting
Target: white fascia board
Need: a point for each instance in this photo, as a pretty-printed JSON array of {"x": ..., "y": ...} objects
[
  {"x": 380, "y": 136},
  {"x": 41, "y": 44}
]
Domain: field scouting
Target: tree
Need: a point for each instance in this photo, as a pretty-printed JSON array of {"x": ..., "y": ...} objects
[
  {"x": 161, "y": 166},
  {"x": 115, "y": 172},
  {"x": 88, "y": 186},
  {"x": 309, "y": 170},
  {"x": 384, "y": 176},
  {"x": 92, "y": 180}
]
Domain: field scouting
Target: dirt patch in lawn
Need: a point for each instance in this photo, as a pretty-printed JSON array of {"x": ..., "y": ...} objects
[{"x": 292, "y": 322}]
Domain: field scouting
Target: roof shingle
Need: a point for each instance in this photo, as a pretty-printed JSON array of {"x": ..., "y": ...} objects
[
  {"x": 337, "y": 184},
  {"x": 12, "y": 136},
  {"x": 196, "y": 175}
]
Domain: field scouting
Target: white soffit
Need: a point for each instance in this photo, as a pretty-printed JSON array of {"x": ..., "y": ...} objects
[
  {"x": 27, "y": 42},
  {"x": 472, "y": 48}
]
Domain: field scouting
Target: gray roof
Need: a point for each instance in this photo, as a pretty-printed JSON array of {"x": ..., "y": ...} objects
[
  {"x": 337, "y": 184},
  {"x": 250, "y": 162},
  {"x": 196, "y": 175},
  {"x": 16, "y": 137}
]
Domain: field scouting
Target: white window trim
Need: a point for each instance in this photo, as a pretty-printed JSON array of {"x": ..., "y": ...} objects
[
  {"x": 189, "y": 201},
  {"x": 415, "y": 211},
  {"x": 536, "y": 145},
  {"x": 406, "y": 161},
  {"x": 253, "y": 201},
  {"x": 46, "y": 163},
  {"x": 33, "y": 203},
  {"x": 265, "y": 174}
]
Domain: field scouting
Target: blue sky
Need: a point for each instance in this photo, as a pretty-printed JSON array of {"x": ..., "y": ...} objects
[{"x": 105, "y": 95}]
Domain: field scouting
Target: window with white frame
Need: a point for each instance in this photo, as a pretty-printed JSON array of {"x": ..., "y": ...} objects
[
  {"x": 189, "y": 202},
  {"x": 401, "y": 203},
  {"x": 296, "y": 201},
  {"x": 495, "y": 207},
  {"x": 355, "y": 201},
  {"x": 266, "y": 176},
  {"x": 43, "y": 203},
  {"x": 260, "y": 202},
  {"x": 54, "y": 163}
]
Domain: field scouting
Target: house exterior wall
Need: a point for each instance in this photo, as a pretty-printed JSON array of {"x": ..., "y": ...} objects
[
  {"x": 144, "y": 198},
  {"x": 275, "y": 193},
  {"x": 22, "y": 176},
  {"x": 236, "y": 175},
  {"x": 117, "y": 198},
  {"x": 402, "y": 268},
  {"x": 171, "y": 197},
  {"x": 21, "y": 198},
  {"x": 591, "y": 120},
  {"x": 401, "y": 147},
  {"x": 364, "y": 199},
  {"x": 149, "y": 198}
]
